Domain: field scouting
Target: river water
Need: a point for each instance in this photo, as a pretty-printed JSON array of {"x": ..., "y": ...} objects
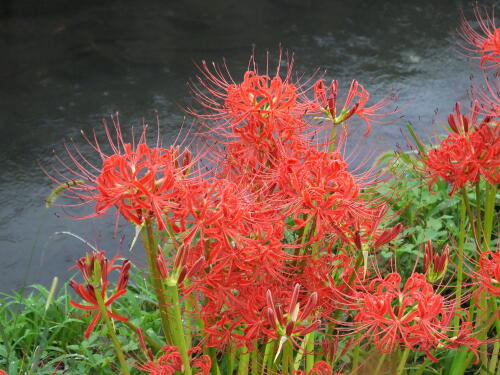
[{"x": 65, "y": 66}]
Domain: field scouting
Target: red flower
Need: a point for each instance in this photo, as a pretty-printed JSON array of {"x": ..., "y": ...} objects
[
  {"x": 254, "y": 109},
  {"x": 319, "y": 368},
  {"x": 170, "y": 362},
  {"x": 140, "y": 181},
  {"x": 87, "y": 266},
  {"x": 485, "y": 42},
  {"x": 488, "y": 274},
  {"x": 467, "y": 154},
  {"x": 413, "y": 316},
  {"x": 325, "y": 101}
]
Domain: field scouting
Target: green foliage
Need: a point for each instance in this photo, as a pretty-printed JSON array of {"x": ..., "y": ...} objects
[
  {"x": 56, "y": 335},
  {"x": 426, "y": 214}
]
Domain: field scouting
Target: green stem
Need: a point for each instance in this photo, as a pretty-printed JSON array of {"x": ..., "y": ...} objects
[
  {"x": 177, "y": 328},
  {"x": 286, "y": 359},
  {"x": 355, "y": 355},
  {"x": 152, "y": 252},
  {"x": 379, "y": 364},
  {"x": 244, "y": 361},
  {"x": 422, "y": 367},
  {"x": 489, "y": 213},
  {"x": 310, "y": 351},
  {"x": 402, "y": 362},
  {"x": 496, "y": 347},
  {"x": 229, "y": 359},
  {"x": 215, "y": 370},
  {"x": 255, "y": 360},
  {"x": 471, "y": 216},
  {"x": 333, "y": 136},
  {"x": 157, "y": 346},
  {"x": 267, "y": 361},
  {"x": 460, "y": 265},
  {"x": 481, "y": 318},
  {"x": 111, "y": 331},
  {"x": 478, "y": 211}
]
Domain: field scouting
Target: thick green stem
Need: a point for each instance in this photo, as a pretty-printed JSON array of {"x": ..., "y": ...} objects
[
  {"x": 379, "y": 364},
  {"x": 496, "y": 347},
  {"x": 215, "y": 370},
  {"x": 255, "y": 361},
  {"x": 229, "y": 358},
  {"x": 287, "y": 358},
  {"x": 151, "y": 254},
  {"x": 177, "y": 329},
  {"x": 333, "y": 137},
  {"x": 111, "y": 331},
  {"x": 355, "y": 356},
  {"x": 267, "y": 361},
  {"x": 244, "y": 361},
  {"x": 402, "y": 362},
  {"x": 481, "y": 317},
  {"x": 310, "y": 351}
]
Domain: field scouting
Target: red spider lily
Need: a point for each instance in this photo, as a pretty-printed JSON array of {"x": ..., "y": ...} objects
[
  {"x": 488, "y": 274},
  {"x": 142, "y": 182},
  {"x": 489, "y": 97},
  {"x": 2, "y": 372},
  {"x": 325, "y": 101},
  {"x": 319, "y": 189},
  {"x": 259, "y": 106},
  {"x": 413, "y": 316},
  {"x": 483, "y": 44},
  {"x": 170, "y": 362},
  {"x": 95, "y": 269},
  {"x": 319, "y": 368},
  {"x": 465, "y": 157},
  {"x": 289, "y": 323}
]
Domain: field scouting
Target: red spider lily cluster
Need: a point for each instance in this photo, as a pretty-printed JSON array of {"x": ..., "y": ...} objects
[
  {"x": 470, "y": 152},
  {"x": 271, "y": 252}
]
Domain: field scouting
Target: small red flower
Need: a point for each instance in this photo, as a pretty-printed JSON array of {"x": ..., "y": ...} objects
[
  {"x": 483, "y": 43},
  {"x": 488, "y": 274},
  {"x": 325, "y": 101},
  {"x": 88, "y": 268},
  {"x": 170, "y": 362},
  {"x": 319, "y": 368}
]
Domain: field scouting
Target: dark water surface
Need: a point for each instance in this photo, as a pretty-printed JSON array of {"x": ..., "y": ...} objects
[{"x": 66, "y": 65}]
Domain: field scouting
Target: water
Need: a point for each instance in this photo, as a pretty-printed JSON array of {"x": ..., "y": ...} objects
[{"x": 65, "y": 66}]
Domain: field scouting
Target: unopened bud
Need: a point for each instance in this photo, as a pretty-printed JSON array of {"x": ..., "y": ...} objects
[
  {"x": 435, "y": 265},
  {"x": 388, "y": 235}
]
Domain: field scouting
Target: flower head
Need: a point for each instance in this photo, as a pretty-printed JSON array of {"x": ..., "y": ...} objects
[
  {"x": 325, "y": 101},
  {"x": 483, "y": 43},
  {"x": 95, "y": 269},
  {"x": 141, "y": 182},
  {"x": 472, "y": 151},
  {"x": 170, "y": 362},
  {"x": 414, "y": 316}
]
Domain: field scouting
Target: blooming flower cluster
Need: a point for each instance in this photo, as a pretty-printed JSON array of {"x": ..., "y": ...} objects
[
  {"x": 272, "y": 245},
  {"x": 470, "y": 152}
]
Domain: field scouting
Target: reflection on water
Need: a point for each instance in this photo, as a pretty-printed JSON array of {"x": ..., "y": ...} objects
[{"x": 66, "y": 65}]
